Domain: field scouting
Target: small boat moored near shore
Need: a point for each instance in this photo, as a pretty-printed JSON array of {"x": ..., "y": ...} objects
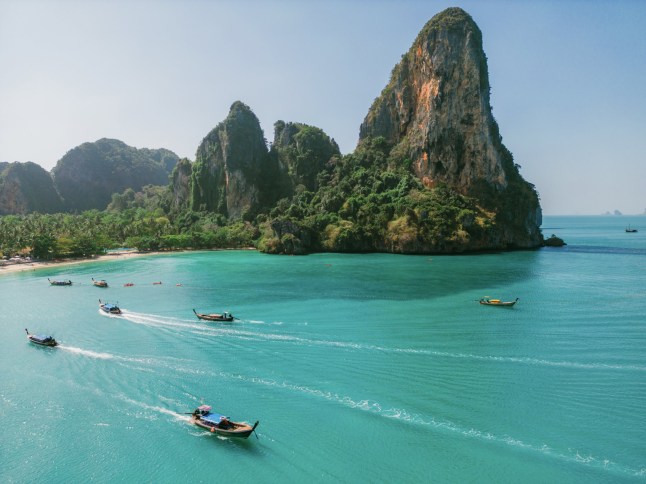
[
  {"x": 109, "y": 308},
  {"x": 497, "y": 302},
  {"x": 99, "y": 283},
  {"x": 41, "y": 339},
  {"x": 225, "y": 316},
  {"x": 59, "y": 283},
  {"x": 219, "y": 424}
]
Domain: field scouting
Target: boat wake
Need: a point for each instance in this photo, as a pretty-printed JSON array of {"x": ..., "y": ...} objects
[
  {"x": 108, "y": 356},
  {"x": 214, "y": 330},
  {"x": 370, "y": 406},
  {"x": 152, "y": 410}
]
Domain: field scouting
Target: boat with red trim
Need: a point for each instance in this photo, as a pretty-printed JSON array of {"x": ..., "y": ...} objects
[{"x": 225, "y": 316}]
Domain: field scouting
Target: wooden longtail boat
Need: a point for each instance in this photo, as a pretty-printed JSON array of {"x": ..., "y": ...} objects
[
  {"x": 219, "y": 424},
  {"x": 41, "y": 339},
  {"x": 109, "y": 308},
  {"x": 60, "y": 283},
  {"x": 225, "y": 316},
  {"x": 100, "y": 283},
  {"x": 498, "y": 302}
]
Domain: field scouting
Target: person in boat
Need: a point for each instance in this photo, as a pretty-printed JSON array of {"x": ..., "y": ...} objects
[{"x": 224, "y": 423}]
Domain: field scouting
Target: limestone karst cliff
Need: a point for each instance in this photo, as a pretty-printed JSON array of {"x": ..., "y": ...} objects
[
  {"x": 231, "y": 174},
  {"x": 88, "y": 175},
  {"x": 27, "y": 187},
  {"x": 301, "y": 152},
  {"x": 436, "y": 113},
  {"x": 430, "y": 173}
]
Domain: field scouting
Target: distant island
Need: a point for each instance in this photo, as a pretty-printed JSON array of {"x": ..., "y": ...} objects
[{"x": 430, "y": 174}]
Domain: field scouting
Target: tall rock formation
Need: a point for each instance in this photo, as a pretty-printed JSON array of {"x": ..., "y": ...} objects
[
  {"x": 27, "y": 187},
  {"x": 436, "y": 113},
  {"x": 180, "y": 184},
  {"x": 301, "y": 152},
  {"x": 88, "y": 175},
  {"x": 232, "y": 173}
]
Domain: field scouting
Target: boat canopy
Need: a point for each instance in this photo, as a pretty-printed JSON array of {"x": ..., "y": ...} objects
[
  {"x": 213, "y": 418},
  {"x": 110, "y": 306}
]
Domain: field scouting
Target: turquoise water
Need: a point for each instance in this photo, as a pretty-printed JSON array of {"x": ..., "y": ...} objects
[{"x": 360, "y": 368}]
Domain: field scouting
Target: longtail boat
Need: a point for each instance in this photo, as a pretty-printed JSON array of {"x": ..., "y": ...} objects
[
  {"x": 217, "y": 423},
  {"x": 109, "y": 308},
  {"x": 225, "y": 316},
  {"x": 498, "y": 302},
  {"x": 41, "y": 339},
  {"x": 99, "y": 283},
  {"x": 59, "y": 283}
]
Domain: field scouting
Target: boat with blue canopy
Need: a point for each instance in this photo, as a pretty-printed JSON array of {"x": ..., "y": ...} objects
[
  {"x": 41, "y": 339},
  {"x": 217, "y": 423},
  {"x": 109, "y": 308}
]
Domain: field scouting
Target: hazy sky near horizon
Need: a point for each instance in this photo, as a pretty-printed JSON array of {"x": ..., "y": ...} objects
[{"x": 568, "y": 79}]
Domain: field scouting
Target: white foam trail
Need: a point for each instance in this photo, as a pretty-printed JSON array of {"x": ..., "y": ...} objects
[
  {"x": 106, "y": 356},
  {"x": 366, "y": 405},
  {"x": 88, "y": 353},
  {"x": 155, "y": 408},
  {"x": 201, "y": 328}
]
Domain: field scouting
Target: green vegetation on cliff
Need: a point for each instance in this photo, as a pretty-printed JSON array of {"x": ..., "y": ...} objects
[{"x": 369, "y": 202}]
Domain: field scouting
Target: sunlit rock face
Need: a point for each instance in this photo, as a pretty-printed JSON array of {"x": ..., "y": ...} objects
[{"x": 436, "y": 113}]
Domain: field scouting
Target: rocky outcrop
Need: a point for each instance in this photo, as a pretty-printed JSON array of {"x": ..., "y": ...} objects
[
  {"x": 301, "y": 152},
  {"x": 233, "y": 174},
  {"x": 88, "y": 175},
  {"x": 436, "y": 113},
  {"x": 180, "y": 184},
  {"x": 27, "y": 187}
]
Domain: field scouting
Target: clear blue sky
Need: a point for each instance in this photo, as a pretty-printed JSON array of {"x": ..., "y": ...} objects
[{"x": 568, "y": 79}]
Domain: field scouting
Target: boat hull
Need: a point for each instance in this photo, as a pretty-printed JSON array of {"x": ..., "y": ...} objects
[
  {"x": 52, "y": 342},
  {"x": 223, "y": 318},
  {"x": 109, "y": 308},
  {"x": 239, "y": 430},
  {"x": 215, "y": 318},
  {"x": 502, "y": 304}
]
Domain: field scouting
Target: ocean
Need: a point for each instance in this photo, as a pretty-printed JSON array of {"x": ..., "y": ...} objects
[{"x": 359, "y": 367}]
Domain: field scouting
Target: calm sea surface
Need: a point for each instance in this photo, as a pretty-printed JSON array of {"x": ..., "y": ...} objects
[{"x": 360, "y": 368}]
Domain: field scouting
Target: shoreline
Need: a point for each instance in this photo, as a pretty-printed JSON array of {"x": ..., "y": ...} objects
[
  {"x": 13, "y": 268},
  {"x": 16, "y": 267}
]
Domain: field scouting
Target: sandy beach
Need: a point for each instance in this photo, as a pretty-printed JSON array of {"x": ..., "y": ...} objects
[{"x": 11, "y": 267}]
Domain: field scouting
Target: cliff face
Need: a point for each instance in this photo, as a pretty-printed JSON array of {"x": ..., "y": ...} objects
[
  {"x": 301, "y": 152},
  {"x": 27, "y": 187},
  {"x": 180, "y": 187},
  {"x": 436, "y": 113},
  {"x": 232, "y": 173},
  {"x": 88, "y": 175}
]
